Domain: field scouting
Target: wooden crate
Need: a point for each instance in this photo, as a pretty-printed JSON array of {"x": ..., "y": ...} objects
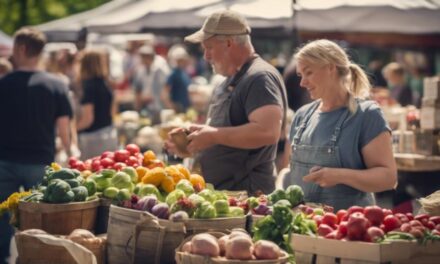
[
  {"x": 322, "y": 251},
  {"x": 59, "y": 219}
]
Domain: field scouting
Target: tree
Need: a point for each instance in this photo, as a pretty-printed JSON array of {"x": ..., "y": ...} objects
[{"x": 15, "y": 14}]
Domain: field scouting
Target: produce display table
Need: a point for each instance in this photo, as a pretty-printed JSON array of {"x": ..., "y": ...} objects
[{"x": 416, "y": 162}]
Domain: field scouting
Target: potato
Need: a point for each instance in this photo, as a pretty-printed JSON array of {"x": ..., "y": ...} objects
[
  {"x": 264, "y": 249},
  {"x": 239, "y": 247},
  {"x": 222, "y": 244},
  {"x": 205, "y": 244},
  {"x": 238, "y": 232},
  {"x": 187, "y": 247}
]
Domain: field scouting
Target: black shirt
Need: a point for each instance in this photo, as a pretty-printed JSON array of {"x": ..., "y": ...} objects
[
  {"x": 30, "y": 104},
  {"x": 98, "y": 93}
]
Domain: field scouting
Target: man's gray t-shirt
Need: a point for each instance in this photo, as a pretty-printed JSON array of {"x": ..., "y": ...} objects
[
  {"x": 357, "y": 130},
  {"x": 260, "y": 85}
]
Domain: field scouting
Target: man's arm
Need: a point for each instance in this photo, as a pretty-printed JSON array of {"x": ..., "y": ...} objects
[{"x": 263, "y": 129}]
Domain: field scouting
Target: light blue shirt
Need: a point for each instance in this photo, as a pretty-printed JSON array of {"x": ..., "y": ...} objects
[{"x": 357, "y": 130}]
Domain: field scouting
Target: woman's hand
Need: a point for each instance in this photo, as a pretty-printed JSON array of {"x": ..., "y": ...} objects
[{"x": 324, "y": 177}]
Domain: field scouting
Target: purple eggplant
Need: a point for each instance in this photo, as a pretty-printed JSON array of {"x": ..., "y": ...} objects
[
  {"x": 146, "y": 203},
  {"x": 261, "y": 209},
  {"x": 161, "y": 210}
]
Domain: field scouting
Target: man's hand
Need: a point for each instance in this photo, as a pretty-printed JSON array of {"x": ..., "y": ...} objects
[
  {"x": 171, "y": 147},
  {"x": 201, "y": 137}
]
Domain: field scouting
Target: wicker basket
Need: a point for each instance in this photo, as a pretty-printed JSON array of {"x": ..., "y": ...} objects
[
  {"x": 187, "y": 258},
  {"x": 32, "y": 250},
  {"x": 431, "y": 203},
  {"x": 60, "y": 219}
]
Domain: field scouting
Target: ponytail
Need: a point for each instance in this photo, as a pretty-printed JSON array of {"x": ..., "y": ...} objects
[{"x": 360, "y": 85}]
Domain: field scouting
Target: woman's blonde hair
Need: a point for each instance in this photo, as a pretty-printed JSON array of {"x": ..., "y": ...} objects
[
  {"x": 324, "y": 51},
  {"x": 93, "y": 64}
]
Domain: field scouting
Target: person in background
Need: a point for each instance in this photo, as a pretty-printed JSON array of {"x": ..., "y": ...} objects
[
  {"x": 416, "y": 84},
  {"x": 149, "y": 82},
  {"x": 5, "y": 67},
  {"x": 394, "y": 73},
  {"x": 175, "y": 94},
  {"x": 237, "y": 146},
  {"x": 94, "y": 124},
  {"x": 337, "y": 137},
  {"x": 33, "y": 106}
]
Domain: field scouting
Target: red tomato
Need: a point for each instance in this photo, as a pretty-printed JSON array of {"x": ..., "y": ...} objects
[
  {"x": 373, "y": 234},
  {"x": 355, "y": 209},
  {"x": 330, "y": 219},
  {"x": 108, "y": 154},
  {"x": 374, "y": 214},
  {"x": 107, "y": 162},
  {"x": 342, "y": 228},
  {"x": 391, "y": 222},
  {"x": 119, "y": 166},
  {"x": 435, "y": 219},
  {"x": 121, "y": 155},
  {"x": 387, "y": 211},
  {"x": 332, "y": 235},
  {"x": 131, "y": 161},
  {"x": 430, "y": 225},
  {"x": 80, "y": 166},
  {"x": 96, "y": 164},
  {"x": 317, "y": 219},
  {"x": 324, "y": 229},
  {"x": 357, "y": 226},
  {"x": 73, "y": 161},
  {"x": 340, "y": 214},
  {"x": 133, "y": 149}
]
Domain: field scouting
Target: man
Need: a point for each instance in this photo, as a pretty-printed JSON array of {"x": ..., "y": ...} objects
[
  {"x": 33, "y": 104},
  {"x": 150, "y": 80},
  {"x": 236, "y": 148},
  {"x": 394, "y": 74}
]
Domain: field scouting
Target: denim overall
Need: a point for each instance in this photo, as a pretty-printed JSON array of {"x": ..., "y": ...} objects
[
  {"x": 304, "y": 157},
  {"x": 226, "y": 167}
]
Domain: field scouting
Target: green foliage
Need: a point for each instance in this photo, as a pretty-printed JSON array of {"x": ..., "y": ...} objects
[{"x": 17, "y": 13}]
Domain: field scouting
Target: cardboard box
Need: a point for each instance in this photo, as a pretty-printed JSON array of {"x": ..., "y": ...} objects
[
  {"x": 431, "y": 87},
  {"x": 430, "y": 118},
  {"x": 320, "y": 250},
  {"x": 427, "y": 142}
]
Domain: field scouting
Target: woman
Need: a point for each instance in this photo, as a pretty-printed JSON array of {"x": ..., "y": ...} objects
[
  {"x": 96, "y": 133},
  {"x": 341, "y": 143}
]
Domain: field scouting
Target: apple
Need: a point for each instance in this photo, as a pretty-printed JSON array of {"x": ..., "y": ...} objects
[
  {"x": 391, "y": 222},
  {"x": 80, "y": 166},
  {"x": 131, "y": 161},
  {"x": 108, "y": 154},
  {"x": 374, "y": 214},
  {"x": 324, "y": 229},
  {"x": 354, "y": 209},
  {"x": 121, "y": 155},
  {"x": 357, "y": 226},
  {"x": 373, "y": 234},
  {"x": 72, "y": 162},
  {"x": 133, "y": 149},
  {"x": 119, "y": 166},
  {"x": 107, "y": 162},
  {"x": 330, "y": 219}
]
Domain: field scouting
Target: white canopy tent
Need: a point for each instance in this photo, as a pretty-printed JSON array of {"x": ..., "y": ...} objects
[
  {"x": 180, "y": 17},
  {"x": 273, "y": 17},
  {"x": 70, "y": 28},
  {"x": 374, "y": 16}
]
